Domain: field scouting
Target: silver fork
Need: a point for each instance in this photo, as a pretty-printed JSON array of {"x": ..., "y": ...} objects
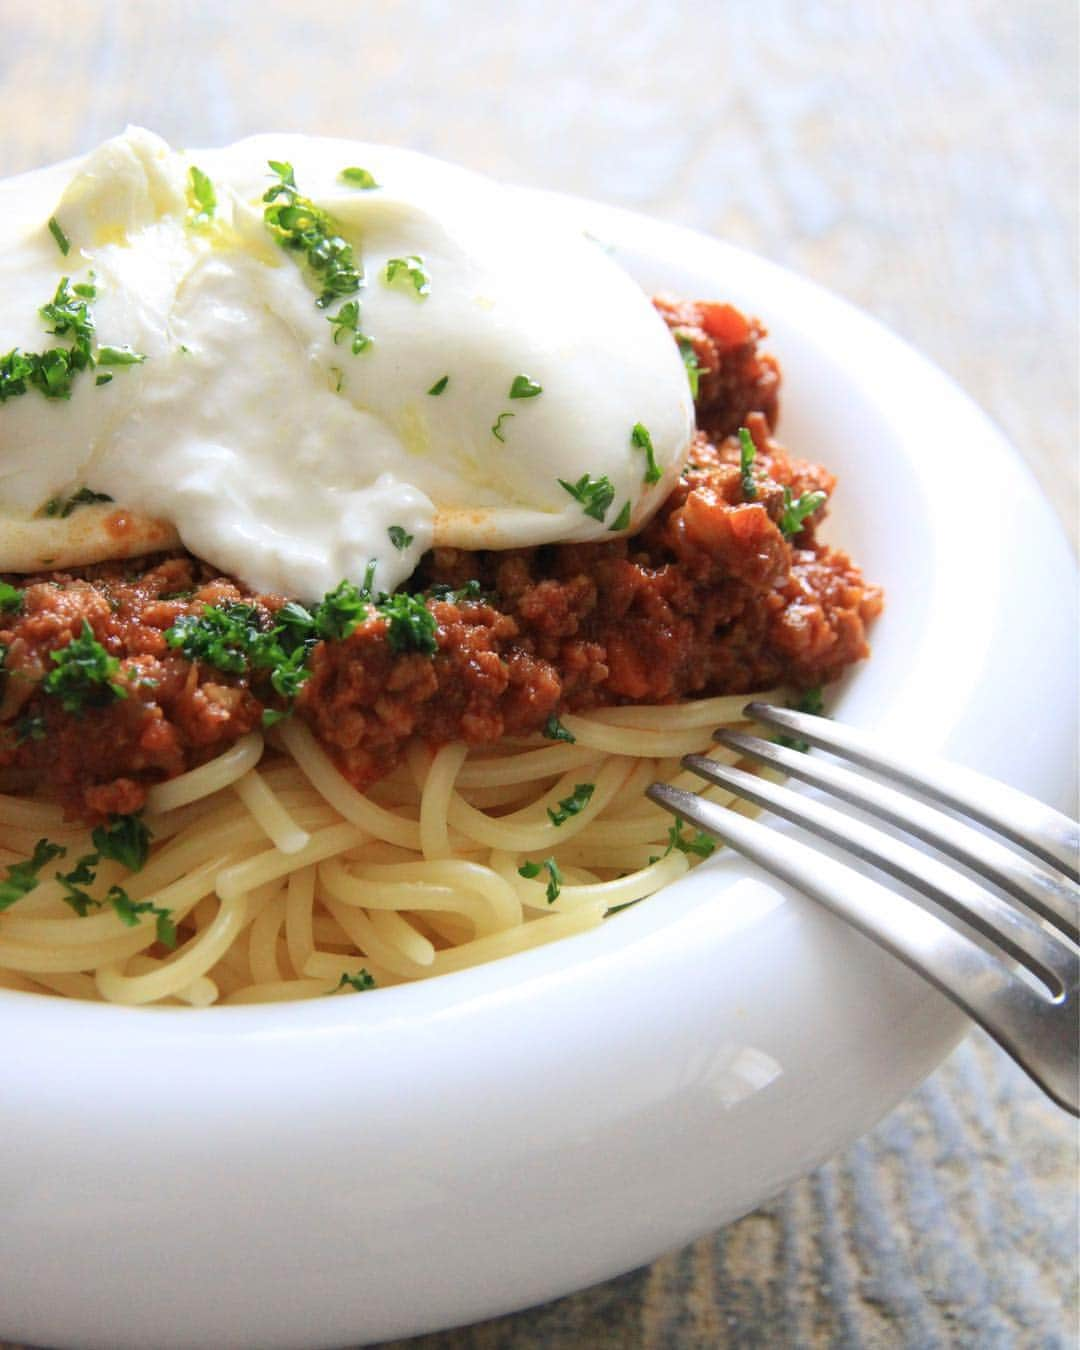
[{"x": 1037, "y": 926}]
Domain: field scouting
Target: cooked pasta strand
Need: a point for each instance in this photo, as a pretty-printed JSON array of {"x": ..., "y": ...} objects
[{"x": 280, "y": 880}]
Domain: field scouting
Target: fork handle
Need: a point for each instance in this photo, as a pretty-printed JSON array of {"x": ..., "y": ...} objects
[{"x": 1040, "y": 1035}]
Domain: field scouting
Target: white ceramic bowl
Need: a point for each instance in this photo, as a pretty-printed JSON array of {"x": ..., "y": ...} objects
[{"x": 359, "y": 1168}]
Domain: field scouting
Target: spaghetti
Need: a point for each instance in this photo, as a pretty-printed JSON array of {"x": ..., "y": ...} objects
[{"x": 282, "y": 881}]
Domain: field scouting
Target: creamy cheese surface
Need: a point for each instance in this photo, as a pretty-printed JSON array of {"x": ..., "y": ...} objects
[{"x": 277, "y": 453}]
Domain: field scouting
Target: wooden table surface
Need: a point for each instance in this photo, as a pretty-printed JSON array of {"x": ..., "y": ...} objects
[{"x": 919, "y": 158}]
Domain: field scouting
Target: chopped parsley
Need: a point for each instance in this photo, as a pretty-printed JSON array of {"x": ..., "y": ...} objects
[
  {"x": 16, "y": 372},
  {"x": 223, "y": 637},
  {"x": 64, "y": 507},
  {"x": 63, "y": 243},
  {"x": 472, "y": 590},
  {"x": 347, "y": 320},
  {"x": 125, "y": 839},
  {"x": 497, "y": 430},
  {"x": 68, "y": 313},
  {"x": 302, "y": 227},
  {"x": 555, "y": 731},
  {"x": 812, "y": 701},
  {"x": 118, "y": 356},
  {"x": 287, "y": 674},
  {"x": 572, "y": 805},
  {"x": 797, "y": 510},
  {"x": 84, "y": 674},
  {"x": 594, "y": 494},
  {"x": 201, "y": 196},
  {"x": 81, "y": 875},
  {"x": 362, "y": 981},
  {"x": 233, "y": 639},
  {"x": 129, "y": 912},
  {"x": 622, "y": 520},
  {"x": 531, "y": 870},
  {"x": 103, "y": 379},
  {"x": 11, "y": 598},
  {"x": 700, "y": 844},
  {"x": 641, "y": 440},
  {"x": 523, "y": 387},
  {"x": 747, "y": 452},
  {"x": 439, "y": 385},
  {"x": 412, "y": 625},
  {"x": 299, "y": 225},
  {"x": 409, "y": 272},
  {"x": 22, "y": 877},
  {"x": 358, "y": 178},
  {"x": 52, "y": 372},
  {"x": 343, "y": 608},
  {"x": 692, "y": 364},
  {"x": 399, "y": 538}
]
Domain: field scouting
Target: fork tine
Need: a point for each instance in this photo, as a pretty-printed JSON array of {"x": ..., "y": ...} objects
[
  {"x": 1050, "y": 895},
  {"x": 1000, "y": 1002},
  {"x": 1012, "y": 929},
  {"x": 1040, "y": 829}
]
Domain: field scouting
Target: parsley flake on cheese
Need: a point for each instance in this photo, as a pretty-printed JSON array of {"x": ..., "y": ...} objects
[
  {"x": 497, "y": 430},
  {"x": 523, "y": 387},
  {"x": 63, "y": 243},
  {"x": 641, "y": 440},
  {"x": 408, "y": 273},
  {"x": 358, "y": 178},
  {"x": 594, "y": 494},
  {"x": 201, "y": 197}
]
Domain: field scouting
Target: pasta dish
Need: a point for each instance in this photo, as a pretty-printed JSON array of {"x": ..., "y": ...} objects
[{"x": 367, "y": 549}]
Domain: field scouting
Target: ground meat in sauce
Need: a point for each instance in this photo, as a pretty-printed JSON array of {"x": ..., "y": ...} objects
[{"x": 708, "y": 599}]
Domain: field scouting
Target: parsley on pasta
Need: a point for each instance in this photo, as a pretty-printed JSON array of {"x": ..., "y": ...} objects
[
  {"x": 555, "y": 731},
  {"x": 531, "y": 870},
  {"x": 572, "y": 805},
  {"x": 699, "y": 844},
  {"x": 22, "y": 877},
  {"x": 360, "y": 982}
]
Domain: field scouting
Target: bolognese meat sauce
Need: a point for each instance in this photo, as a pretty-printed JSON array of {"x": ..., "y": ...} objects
[{"x": 726, "y": 590}]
